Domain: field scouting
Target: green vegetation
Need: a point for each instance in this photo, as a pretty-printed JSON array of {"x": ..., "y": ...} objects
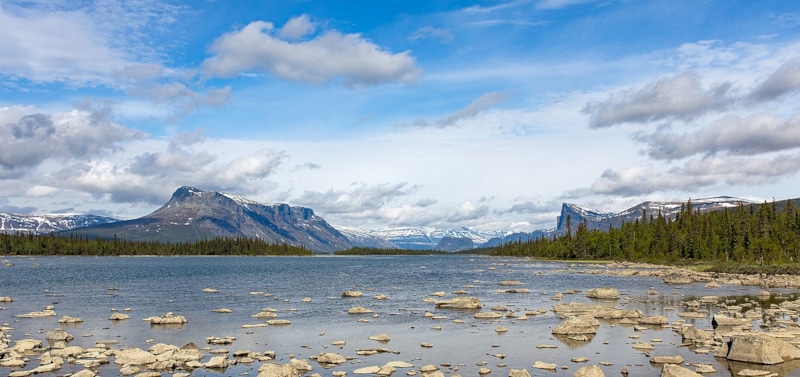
[
  {"x": 755, "y": 238},
  {"x": 371, "y": 251},
  {"x": 30, "y": 244}
]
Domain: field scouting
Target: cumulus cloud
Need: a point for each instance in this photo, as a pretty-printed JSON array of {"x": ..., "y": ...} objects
[
  {"x": 297, "y": 27},
  {"x": 29, "y": 139},
  {"x": 150, "y": 177},
  {"x": 329, "y": 57},
  {"x": 361, "y": 198},
  {"x": 695, "y": 174},
  {"x": 680, "y": 97},
  {"x": 785, "y": 80},
  {"x": 760, "y": 133},
  {"x": 528, "y": 207},
  {"x": 468, "y": 211}
]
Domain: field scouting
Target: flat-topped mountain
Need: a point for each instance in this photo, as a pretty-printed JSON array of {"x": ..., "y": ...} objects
[{"x": 192, "y": 214}]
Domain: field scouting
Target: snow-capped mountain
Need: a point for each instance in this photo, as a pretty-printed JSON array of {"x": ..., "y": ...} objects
[
  {"x": 42, "y": 224},
  {"x": 194, "y": 214},
  {"x": 427, "y": 238},
  {"x": 361, "y": 238},
  {"x": 596, "y": 220}
]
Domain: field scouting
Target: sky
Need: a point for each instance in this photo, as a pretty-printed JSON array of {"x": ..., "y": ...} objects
[{"x": 381, "y": 114}]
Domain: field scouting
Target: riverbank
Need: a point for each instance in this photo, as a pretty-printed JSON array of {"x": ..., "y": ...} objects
[{"x": 255, "y": 316}]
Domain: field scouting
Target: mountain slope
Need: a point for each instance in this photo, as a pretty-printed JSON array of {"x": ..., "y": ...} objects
[
  {"x": 193, "y": 214},
  {"x": 42, "y": 224},
  {"x": 596, "y": 220},
  {"x": 426, "y": 238}
]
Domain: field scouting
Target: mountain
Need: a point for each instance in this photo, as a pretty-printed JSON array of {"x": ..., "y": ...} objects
[
  {"x": 360, "y": 238},
  {"x": 517, "y": 237},
  {"x": 596, "y": 220},
  {"x": 427, "y": 238},
  {"x": 42, "y": 224},
  {"x": 450, "y": 244},
  {"x": 193, "y": 214}
]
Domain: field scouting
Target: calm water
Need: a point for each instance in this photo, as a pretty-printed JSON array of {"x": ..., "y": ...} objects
[{"x": 152, "y": 286}]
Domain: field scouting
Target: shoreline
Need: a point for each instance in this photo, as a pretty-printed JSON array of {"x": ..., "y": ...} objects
[{"x": 512, "y": 311}]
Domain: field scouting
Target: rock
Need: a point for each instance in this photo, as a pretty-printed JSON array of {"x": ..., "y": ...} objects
[
  {"x": 654, "y": 320},
  {"x": 352, "y": 294},
  {"x": 672, "y": 370},
  {"x": 217, "y": 362},
  {"x": 589, "y": 371},
  {"x": 518, "y": 373},
  {"x": 40, "y": 314},
  {"x": 24, "y": 345},
  {"x": 331, "y": 358},
  {"x": 116, "y": 316},
  {"x": 667, "y": 359},
  {"x": 58, "y": 334},
  {"x": 68, "y": 319},
  {"x": 167, "y": 319},
  {"x": 459, "y": 303},
  {"x": 545, "y": 366},
  {"x": 134, "y": 356},
  {"x": 222, "y": 310},
  {"x": 484, "y": 371},
  {"x": 359, "y": 310},
  {"x": 500, "y": 329},
  {"x": 761, "y": 349},
  {"x": 487, "y": 315},
  {"x": 603, "y": 293},
  {"x": 723, "y": 320},
  {"x": 279, "y": 322},
  {"x": 6, "y": 299},
  {"x": 574, "y": 326},
  {"x": 275, "y": 370},
  {"x": 380, "y": 337},
  {"x": 301, "y": 365},
  {"x": 400, "y": 364},
  {"x": 752, "y": 373},
  {"x": 367, "y": 370},
  {"x": 84, "y": 373}
]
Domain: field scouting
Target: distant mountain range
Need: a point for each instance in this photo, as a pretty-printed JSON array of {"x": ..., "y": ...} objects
[
  {"x": 192, "y": 214},
  {"x": 41, "y": 224}
]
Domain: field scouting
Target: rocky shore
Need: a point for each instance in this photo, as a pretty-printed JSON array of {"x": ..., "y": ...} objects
[{"x": 750, "y": 339}]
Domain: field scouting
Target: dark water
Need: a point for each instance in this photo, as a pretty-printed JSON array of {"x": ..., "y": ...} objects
[{"x": 152, "y": 286}]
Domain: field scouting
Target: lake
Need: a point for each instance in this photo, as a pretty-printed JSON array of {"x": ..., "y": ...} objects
[{"x": 90, "y": 287}]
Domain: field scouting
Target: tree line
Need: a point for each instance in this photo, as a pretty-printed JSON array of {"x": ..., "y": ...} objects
[
  {"x": 52, "y": 244},
  {"x": 753, "y": 235}
]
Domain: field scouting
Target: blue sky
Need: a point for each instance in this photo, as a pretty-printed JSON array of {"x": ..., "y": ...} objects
[{"x": 376, "y": 114}]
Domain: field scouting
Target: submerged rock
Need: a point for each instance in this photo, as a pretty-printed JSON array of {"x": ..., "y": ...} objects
[{"x": 459, "y": 303}]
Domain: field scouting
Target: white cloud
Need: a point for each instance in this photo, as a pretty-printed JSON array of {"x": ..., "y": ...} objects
[
  {"x": 478, "y": 105},
  {"x": 329, "y": 57},
  {"x": 679, "y": 97},
  {"x": 756, "y": 134},
  {"x": 430, "y": 32},
  {"x": 297, "y": 27},
  {"x": 785, "y": 80}
]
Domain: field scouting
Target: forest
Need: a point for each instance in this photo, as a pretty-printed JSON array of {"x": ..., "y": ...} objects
[
  {"x": 39, "y": 245},
  {"x": 754, "y": 235}
]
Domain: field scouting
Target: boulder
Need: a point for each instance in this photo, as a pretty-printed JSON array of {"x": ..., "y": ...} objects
[
  {"x": 380, "y": 337},
  {"x": 488, "y": 315},
  {"x": 359, "y": 310},
  {"x": 84, "y": 373},
  {"x": 58, "y": 335},
  {"x": 507, "y": 283},
  {"x": 217, "y": 362},
  {"x": 301, "y": 365},
  {"x": 545, "y": 366},
  {"x": 168, "y": 319},
  {"x": 603, "y": 293},
  {"x": 331, "y": 358},
  {"x": 678, "y": 359},
  {"x": 68, "y": 319},
  {"x": 276, "y": 370},
  {"x": 761, "y": 349},
  {"x": 654, "y": 320},
  {"x": 672, "y": 370},
  {"x": 519, "y": 373},
  {"x": 279, "y": 322},
  {"x": 589, "y": 371},
  {"x": 459, "y": 303},
  {"x": 117, "y": 316},
  {"x": 574, "y": 326},
  {"x": 134, "y": 356},
  {"x": 723, "y": 320},
  {"x": 352, "y": 294}
]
